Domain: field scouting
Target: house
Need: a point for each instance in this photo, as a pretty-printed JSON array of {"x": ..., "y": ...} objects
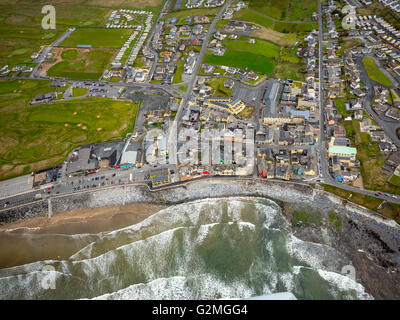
[
  {"x": 236, "y": 26},
  {"x": 140, "y": 76},
  {"x": 44, "y": 98},
  {"x": 339, "y": 132},
  {"x": 197, "y": 29},
  {"x": 160, "y": 177},
  {"x": 229, "y": 83},
  {"x": 346, "y": 155},
  {"x": 251, "y": 75},
  {"x": 208, "y": 68}
]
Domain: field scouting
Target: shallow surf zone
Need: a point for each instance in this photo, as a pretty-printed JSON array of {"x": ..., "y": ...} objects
[{"x": 206, "y": 249}]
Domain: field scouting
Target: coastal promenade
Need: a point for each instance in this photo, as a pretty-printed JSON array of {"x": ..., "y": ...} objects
[{"x": 221, "y": 187}]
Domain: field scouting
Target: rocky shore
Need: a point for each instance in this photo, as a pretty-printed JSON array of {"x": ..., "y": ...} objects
[{"x": 371, "y": 241}]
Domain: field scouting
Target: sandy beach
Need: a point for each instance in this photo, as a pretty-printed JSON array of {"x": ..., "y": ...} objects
[{"x": 60, "y": 236}]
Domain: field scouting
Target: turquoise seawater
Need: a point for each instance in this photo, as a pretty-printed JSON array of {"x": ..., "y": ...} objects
[{"x": 207, "y": 249}]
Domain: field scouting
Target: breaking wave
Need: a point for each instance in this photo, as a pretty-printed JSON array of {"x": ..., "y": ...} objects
[{"x": 206, "y": 249}]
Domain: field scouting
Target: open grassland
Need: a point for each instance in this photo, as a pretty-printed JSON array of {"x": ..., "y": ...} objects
[
  {"x": 97, "y": 37},
  {"x": 39, "y": 136},
  {"x": 82, "y": 64},
  {"x": 285, "y": 10},
  {"x": 278, "y": 38},
  {"x": 272, "y": 8},
  {"x": 139, "y": 4},
  {"x": 280, "y": 26},
  {"x": 264, "y": 48},
  {"x": 302, "y": 10},
  {"x": 388, "y": 209},
  {"x": 243, "y": 60},
  {"x": 262, "y": 56},
  {"x": 375, "y": 73},
  {"x": 21, "y": 33},
  {"x": 181, "y": 14}
]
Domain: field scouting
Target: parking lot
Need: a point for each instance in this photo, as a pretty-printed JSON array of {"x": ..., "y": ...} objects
[{"x": 95, "y": 89}]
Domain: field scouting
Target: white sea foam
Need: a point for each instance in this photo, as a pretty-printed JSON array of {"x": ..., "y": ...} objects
[
  {"x": 345, "y": 283},
  {"x": 163, "y": 250}
]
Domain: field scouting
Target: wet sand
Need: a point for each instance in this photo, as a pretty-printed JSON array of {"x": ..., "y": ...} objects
[{"x": 64, "y": 234}]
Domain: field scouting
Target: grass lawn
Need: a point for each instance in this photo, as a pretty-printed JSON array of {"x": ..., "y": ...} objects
[
  {"x": 284, "y": 27},
  {"x": 247, "y": 113},
  {"x": 133, "y": 4},
  {"x": 302, "y": 10},
  {"x": 272, "y": 8},
  {"x": 40, "y": 136},
  {"x": 82, "y": 64},
  {"x": 183, "y": 88},
  {"x": 243, "y": 60},
  {"x": 179, "y": 71},
  {"x": 389, "y": 210},
  {"x": 375, "y": 73},
  {"x": 286, "y": 10},
  {"x": 341, "y": 106},
  {"x": 261, "y": 47},
  {"x": 262, "y": 56},
  {"x": 395, "y": 180},
  {"x": 97, "y": 37},
  {"x": 192, "y": 12},
  {"x": 78, "y": 92},
  {"x": 20, "y": 26},
  {"x": 218, "y": 85}
]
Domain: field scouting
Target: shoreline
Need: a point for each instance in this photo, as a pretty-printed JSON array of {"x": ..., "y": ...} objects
[
  {"x": 371, "y": 241},
  {"x": 41, "y": 238},
  {"x": 121, "y": 214}
]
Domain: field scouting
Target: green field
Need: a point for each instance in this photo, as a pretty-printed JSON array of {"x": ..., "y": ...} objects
[
  {"x": 82, "y": 64},
  {"x": 261, "y": 47},
  {"x": 395, "y": 180},
  {"x": 78, "y": 92},
  {"x": 179, "y": 71},
  {"x": 262, "y": 56},
  {"x": 219, "y": 90},
  {"x": 243, "y": 60},
  {"x": 105, "y": 38},
  {"x": 40, "y": 136},
  {"x": 280, "y": 26},
  {"x": 21, "y": 33},
  {"x": 285, "y": 10},
  {"x": 375, "y": 73}
]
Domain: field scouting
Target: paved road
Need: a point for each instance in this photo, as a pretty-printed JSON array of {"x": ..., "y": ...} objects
[
  {"x": 174, "y": 129},
  {"x": 388, "y": 125},
  {"x": 46, "y": 50},
  {"x": 102, "y": 178}
]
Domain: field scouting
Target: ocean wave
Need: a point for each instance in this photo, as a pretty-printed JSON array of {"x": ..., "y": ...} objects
[{"x": 205, "y": 249}]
